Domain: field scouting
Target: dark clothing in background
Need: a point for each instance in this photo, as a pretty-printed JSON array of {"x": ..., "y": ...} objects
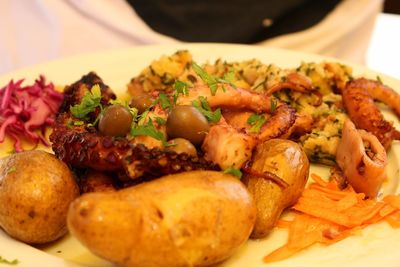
[{"x": 230, "y": 21}]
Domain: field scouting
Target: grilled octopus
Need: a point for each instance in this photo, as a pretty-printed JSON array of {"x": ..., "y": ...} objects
[
  {"x": 358, "y": 98},
  {"x": 82, "y": 146}
]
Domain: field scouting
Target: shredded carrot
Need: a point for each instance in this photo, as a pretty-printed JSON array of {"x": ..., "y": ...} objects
[
  {"x": 326, "y": 214},
  {"x": 394, "y": 219},
  {"x": 283, "y": 224}
]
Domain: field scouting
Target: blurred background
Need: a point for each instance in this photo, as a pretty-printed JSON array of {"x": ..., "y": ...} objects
[
  {"x": 358, "y": 31},
  {"x": 383, "y": 52}
]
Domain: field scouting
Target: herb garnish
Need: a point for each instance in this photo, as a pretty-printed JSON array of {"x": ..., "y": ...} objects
[
  {"x": 5, "y": 261},
  {"x": 90, "y": 101},
  {"x": 181, "y": 88},
  {"x": 78, "y": 123},
  {"x": 202, "y": 105},
  {"x": 149, "y": 130},
  {"x": 212, "y": 81},
  {"x": 12, "y": 169},
  {"x": 164, "y": 101},
  {"x": 256, "y": 121},
  {"x": 273, "y": 105},
  {"x": 160, "y": 121},
  {"x": 233, "y": 171},
  {"x": 12, "y": 151}
]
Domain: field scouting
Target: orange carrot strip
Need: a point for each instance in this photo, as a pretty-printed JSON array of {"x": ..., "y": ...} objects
[
  {"x": 331, "y": 193},
  {"x": 318, "y": 180},
  {"x": 283, "y": 223},
  {"x": 393, "y": 200},
  {"x": 386, "y": 210},
  {"x": 359, "y": 215},
  {"x": 329, "y": 215},
  {"x": 347, "y": 202},
  {"x": 280, "y": 253},
  {"x": 394, "y": 219}
]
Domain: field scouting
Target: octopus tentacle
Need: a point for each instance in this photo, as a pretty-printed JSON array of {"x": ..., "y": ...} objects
[
  {"x": 228, "y": 97},
  {"x": 155, "y": 162},
  {"x": 282, "y": 119},
  {"x": 294, "y": 81},
  {"x": 362, "y": 110},
  {"x": 74, "y": 93},
  {"x": 82, "y": 146},
  {"x": 227, "y": 146},
  {"x": 380, "y": 92}
]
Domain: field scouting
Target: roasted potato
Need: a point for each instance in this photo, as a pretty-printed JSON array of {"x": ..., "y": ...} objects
[
  {"x": 35, "y": 191},
  {"x": 195, "y": 218},
  {"x": 287, "y": 160}
]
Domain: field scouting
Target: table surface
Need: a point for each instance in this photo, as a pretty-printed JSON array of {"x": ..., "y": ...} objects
[{"x": 384, "y": 50}]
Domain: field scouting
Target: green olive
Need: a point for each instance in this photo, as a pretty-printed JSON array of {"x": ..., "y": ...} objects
[
  {"x": 188, "y": 123},
  {"x": 180, "y": 145},
  {"x": 141, "y": 102},
  {"x": 116, "y": 120}
]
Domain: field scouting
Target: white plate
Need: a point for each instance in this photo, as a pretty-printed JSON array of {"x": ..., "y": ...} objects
[{"x": 377, "y": 246}]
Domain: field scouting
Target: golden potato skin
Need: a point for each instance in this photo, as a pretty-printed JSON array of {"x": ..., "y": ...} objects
[
  {"x": 287, "y": 160},
  {"x": 35, "y": 191},
  {"x": 190, "y": 219}
]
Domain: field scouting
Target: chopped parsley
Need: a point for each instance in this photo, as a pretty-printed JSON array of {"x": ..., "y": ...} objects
[
  {"x": 149, "y": 130},
  {"x": 256, "y": 121},
  {"x": 233, "y": 171},
  {"x": 212, "y": 81},
  {"x": 229, "y": 78},
  {"x": 181, "y": 88},
  {"x": 12, "y": 169},
  {"x": 12, "y": 151},
  {"x": 273, "y": 105},
  {"x": 160, "y": 121},
  {"x": 5, "y": 261},
  {"x": 164, "y": 101},
  {"x": 78, "y": 123},
  {"x": 90, "y": 101},
  {"x": 202, "y": 105}
]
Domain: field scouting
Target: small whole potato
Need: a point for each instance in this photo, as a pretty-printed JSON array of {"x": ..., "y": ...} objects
[
  {"x": 196, "y": 218},
  {"x": 35, "y": 191},
  {"x": 287, "y": 160}
]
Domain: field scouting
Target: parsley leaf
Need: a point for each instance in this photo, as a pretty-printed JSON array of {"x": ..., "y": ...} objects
[
  {"x": 142, "y": 117},
  {"x": 229, "y": 78},
  {"x": 160, "y": 121},
  {"x": 233, "y": 171},
  {"x": 181, "y": 88},
  {"x": 13, "y": 151},
  {"x": 78, "y": 123},
  {"x": 149, "y": 130},
  {"x": 256, "y": 121},
  {"x": 5, "y": 261},
  {"x": 12, "y": 169},
  {"x": 202, "y": 105},
  {"x": 273, "y": 105},
  {"x": 164, "y": 101},
  {"x": 211, "y": 81},
  {"x": 379, "y": 79},
  {"x": 90, "y": 101}
]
